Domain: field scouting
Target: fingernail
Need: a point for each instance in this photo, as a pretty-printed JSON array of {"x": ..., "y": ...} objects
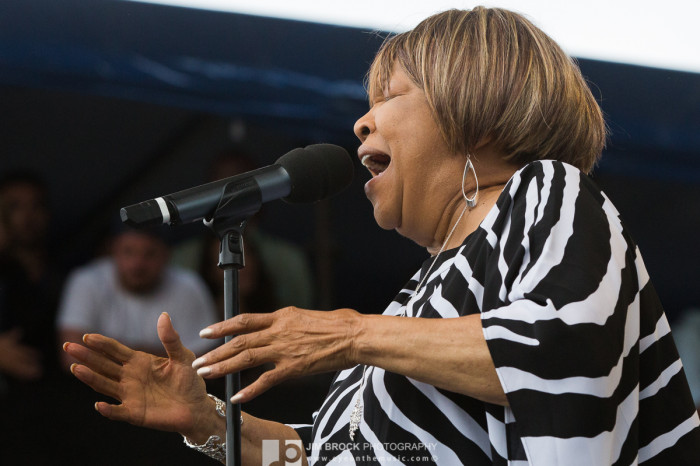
[
  {"x": 64, "y": 345},
  {"x": 203, "y": 371},
  {"x": 236, "y": 398},
  {"x": 206, "y": 333},
  {"x": 199, "y": 362},
  {"x": 72, "y": 368},
  {"x": 85, "y": 338}
]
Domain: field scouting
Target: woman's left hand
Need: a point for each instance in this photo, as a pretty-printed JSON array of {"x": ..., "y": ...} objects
[
  {"x": 154, "y": 392},
  {"x": 297, "y": 341}
]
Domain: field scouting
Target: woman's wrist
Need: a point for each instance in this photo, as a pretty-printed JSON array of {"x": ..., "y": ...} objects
[
  {"x": 208, "y": 421},
  {"x": 357, "y": 336},
  {"x": 369, "y": 331}
]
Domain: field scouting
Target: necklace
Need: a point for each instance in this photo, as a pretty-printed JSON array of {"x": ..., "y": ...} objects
[{"x": 358, "y": 409}]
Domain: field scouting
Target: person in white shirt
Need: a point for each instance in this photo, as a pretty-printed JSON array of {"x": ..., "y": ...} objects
[{"x": 123, "y": 294}]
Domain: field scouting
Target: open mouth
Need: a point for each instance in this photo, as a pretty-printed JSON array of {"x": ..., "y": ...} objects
[{"x": 376, "y": 163}]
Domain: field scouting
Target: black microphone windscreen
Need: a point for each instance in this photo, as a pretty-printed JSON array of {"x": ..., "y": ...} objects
[{"x": 317, "y": 172}]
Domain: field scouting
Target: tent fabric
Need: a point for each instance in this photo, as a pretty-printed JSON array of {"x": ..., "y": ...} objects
[
  {"x": 302, "y": 75},
  {"x": 288, "y": 72}
]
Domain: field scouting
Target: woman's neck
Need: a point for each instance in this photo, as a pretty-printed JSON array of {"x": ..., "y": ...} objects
[
  {"x": 465, "y": 224},
  {"x": 489, "y": 164}
]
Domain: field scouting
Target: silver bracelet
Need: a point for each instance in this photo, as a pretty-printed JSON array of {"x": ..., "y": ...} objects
[
  {"x": 213, "y": 447},
  {"x": 220, "y": 406}
]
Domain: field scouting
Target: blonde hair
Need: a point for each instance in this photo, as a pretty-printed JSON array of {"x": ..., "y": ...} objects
[{"x": 491, "y": 73}]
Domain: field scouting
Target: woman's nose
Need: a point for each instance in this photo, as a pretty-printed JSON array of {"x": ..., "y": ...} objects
[{"x": 364, "y": 126}]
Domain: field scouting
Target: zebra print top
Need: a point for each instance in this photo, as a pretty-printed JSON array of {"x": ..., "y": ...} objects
[{"x": 579, "y": 339}]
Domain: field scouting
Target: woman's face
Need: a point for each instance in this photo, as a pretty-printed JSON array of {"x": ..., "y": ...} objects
[{"x": 414, "y": 174}]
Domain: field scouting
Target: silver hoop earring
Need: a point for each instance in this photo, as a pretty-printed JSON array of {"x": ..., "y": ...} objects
[{"x": 471, "y": 202}]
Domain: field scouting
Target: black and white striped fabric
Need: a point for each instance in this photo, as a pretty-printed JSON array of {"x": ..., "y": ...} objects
[{"x": 579, "y": 339}]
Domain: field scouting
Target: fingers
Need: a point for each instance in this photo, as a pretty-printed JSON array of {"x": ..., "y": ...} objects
[
  {"x": 232, "y": 348},
  {"x": 171, "y": 341},
  {"x": 113, "y": 412},
  {"x": 243, "y": 323},
  {"x": 96, "y": 381},
  {"x": 97, "y": 362},
  {"x": 247, "y": 358},
  {"x": 266, "y": 381},
  {"x": 108, "y": 346}
]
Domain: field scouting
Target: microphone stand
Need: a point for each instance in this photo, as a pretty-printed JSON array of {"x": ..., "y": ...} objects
[
  {"x": 231, "y": 260},
  {"x": 229, "y": 222},
  {"x": 320, "y": 169}
]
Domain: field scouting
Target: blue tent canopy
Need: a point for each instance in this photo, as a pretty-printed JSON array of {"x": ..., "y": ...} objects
[
  {"x": 303, "y": 79},
  {"x": 304, "y": 75},
  {"x": 285, "y": 72}
]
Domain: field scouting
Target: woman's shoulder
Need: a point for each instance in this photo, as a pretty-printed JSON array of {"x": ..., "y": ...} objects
[
  {"x": 553, "y": 179},
  {"x": 552, "y": 169},
  {"x": 543, "y": 194}
]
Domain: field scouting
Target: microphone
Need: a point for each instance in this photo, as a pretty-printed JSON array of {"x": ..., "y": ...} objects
[{"x": 303, "y": 175}]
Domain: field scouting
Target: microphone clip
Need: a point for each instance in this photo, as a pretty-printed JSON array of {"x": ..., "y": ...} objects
[{"x": 239, "y": 201}]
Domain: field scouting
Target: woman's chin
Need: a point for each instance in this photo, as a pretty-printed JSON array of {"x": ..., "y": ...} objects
[{"x": 385, "y": 220}]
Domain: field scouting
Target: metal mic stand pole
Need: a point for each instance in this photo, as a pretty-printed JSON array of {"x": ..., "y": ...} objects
[
  {"x": 239, "y": 201},
  {"x": 231, "y": 259}
]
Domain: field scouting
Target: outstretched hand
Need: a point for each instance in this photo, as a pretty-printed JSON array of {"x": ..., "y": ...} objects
[
  {"x": 155, "y": 392},
  {"x": 297, "y": 341}
]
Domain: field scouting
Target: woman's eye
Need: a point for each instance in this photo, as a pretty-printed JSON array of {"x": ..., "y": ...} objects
[{"x": 384, "y": 98}]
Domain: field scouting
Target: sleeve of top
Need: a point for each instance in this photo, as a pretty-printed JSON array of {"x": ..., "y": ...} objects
[{"x": 564, "y": 291}]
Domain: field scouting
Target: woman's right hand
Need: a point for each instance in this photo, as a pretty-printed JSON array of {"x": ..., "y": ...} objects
[{"x": 155, "y": 392}]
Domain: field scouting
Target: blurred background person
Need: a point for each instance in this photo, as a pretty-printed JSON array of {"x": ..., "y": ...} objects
[
  {"x": 30, "y": 283},
  {"x": 121, "y": 295},
  {"x": 17, "y": 360}
]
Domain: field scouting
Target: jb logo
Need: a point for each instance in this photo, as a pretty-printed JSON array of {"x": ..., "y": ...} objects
[{"x": 289, "y": 451}]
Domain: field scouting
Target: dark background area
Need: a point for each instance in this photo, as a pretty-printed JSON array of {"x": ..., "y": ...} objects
[{"x": 117, "y": 102}]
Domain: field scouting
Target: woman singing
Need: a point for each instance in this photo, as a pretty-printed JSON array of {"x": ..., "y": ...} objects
[{"x": 531, "y": 335}]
